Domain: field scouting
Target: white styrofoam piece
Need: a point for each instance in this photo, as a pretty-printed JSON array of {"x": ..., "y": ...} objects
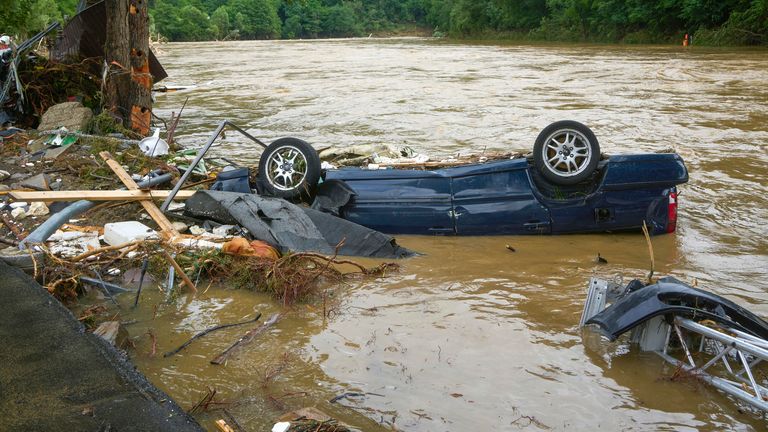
[{"x": 117, "y": 233}]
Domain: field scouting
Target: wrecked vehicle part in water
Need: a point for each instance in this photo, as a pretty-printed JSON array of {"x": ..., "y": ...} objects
[
  {"x": 698, "y": 332},
  {"x": 670, "y": 296},
  {"x": 290, "y": 227},
  {"x": 512, "y": 197}
]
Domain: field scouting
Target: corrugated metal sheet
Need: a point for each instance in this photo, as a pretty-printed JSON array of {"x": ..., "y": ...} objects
[{"x": 85, "y": 36}]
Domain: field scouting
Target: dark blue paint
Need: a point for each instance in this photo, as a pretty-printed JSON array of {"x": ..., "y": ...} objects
[{"x": 502, "y": 198}]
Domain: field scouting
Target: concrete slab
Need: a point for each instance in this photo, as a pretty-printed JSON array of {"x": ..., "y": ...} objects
[{"x": 54, "y": 376}]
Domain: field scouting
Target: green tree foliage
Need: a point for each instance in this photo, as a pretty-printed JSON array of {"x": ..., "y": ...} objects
[
  {"x": 23, "y": 18},
  {"x": 256, "y": 19},
  {"x": 710, "y": 21},
  {"x": 220, "y": 23}
]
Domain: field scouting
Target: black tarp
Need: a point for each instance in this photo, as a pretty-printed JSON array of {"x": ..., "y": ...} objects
[{"x": 289, "y": 227}]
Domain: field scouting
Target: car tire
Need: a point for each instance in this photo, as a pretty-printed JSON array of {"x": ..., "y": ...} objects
[
  {"x": 566, "y": 152},
  {"x": 289, "y": 168}
]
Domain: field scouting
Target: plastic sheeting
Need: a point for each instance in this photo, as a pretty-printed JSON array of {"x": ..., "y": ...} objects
[{"x": 289, "y": 227}]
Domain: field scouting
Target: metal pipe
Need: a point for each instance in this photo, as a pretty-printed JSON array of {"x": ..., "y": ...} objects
[
  {"x": 200, "y": 155},
  {"x": 737, "y": 343}
]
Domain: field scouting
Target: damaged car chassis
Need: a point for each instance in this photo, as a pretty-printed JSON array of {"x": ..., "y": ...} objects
[{"x": 702, "y": 334}]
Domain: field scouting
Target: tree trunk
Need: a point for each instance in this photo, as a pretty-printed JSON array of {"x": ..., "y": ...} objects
[
  {"x": 116, "y": 51},
  {"x": 141, "y": 85}
]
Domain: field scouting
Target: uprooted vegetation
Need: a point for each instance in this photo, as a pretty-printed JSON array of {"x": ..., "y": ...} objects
[{"x": 292, "y": 278}]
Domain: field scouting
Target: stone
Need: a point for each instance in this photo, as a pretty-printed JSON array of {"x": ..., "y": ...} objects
[
  {"x": 38, "y": 182},
  {"x": 4, "y": 188},
  {"x": 71, "y": 115},
  {"x": 18, "y": 176},
  {"x": 179, "y": 226},
  {"x": 19, "y": 213},
  {"x": 4, "y": 175},
  {"x": 38, "y": 209},
  {"x": 196, "y": 230}
]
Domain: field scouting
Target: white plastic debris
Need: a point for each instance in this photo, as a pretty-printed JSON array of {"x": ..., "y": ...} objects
[
  {"x": 327, "y": 165},
  {"x": 18, "y": 204},
  {"x": 154, "y": 145},
  {"x": 123, "y": 232},
  {"x": 281, "y": 427},
  {"x": 114, "y": 271}
]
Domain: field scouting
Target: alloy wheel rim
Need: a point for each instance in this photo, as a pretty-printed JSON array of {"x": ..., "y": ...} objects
[
  {"x": 286, "y": 168},
  {"x": 566, "y": 152}
]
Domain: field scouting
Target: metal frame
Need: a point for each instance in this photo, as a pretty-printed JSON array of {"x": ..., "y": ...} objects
[
  {"x": 718, "y": 346},
  {"x": 739, "y": 352},
  {"x": 200, "y": 155}
]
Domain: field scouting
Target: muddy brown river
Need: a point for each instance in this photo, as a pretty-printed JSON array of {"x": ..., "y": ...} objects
[{"x": 471, "y": 336}]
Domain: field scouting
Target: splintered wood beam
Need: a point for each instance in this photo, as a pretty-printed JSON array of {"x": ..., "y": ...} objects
[
  {"x": 98, "y": 195},
  {"x": 166, "y": 228}
]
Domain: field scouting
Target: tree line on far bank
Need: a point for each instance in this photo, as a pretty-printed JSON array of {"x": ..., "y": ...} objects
[{"x": 711, "y": 22}]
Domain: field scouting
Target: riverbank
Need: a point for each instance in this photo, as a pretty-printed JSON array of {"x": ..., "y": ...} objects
[{"x": 57, "y": 376}]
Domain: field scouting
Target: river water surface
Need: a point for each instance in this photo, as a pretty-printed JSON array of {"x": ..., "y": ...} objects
[{"x": 471, "y": 336}]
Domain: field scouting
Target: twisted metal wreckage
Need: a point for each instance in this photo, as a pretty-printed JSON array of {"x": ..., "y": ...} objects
[{"x": 702, "y": 334}]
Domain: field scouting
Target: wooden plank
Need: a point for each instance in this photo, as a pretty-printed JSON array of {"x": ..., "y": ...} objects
[
  {"x": 166, "y": 228},
  {"x": 97, "y": 195}
]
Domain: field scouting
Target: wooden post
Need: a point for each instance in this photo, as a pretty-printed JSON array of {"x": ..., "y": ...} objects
[
  {"x": 116, "y": 56},
  {"x": 141, "y": 84}
]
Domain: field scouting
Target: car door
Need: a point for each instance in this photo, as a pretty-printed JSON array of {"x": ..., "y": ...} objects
[
  {"x": 497, "y": 201},
  {"x": 401, "y": 201}
]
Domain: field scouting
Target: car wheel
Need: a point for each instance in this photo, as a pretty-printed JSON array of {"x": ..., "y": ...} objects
[
  {"x": 566, "y": 152},
  {"x": 289, "y": 168}
]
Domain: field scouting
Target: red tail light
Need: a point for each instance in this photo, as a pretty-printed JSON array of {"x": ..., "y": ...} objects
[{"x": 672, "y": 213}]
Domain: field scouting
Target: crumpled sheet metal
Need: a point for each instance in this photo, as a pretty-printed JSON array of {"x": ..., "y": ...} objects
[{"x": 289, "y": 227}]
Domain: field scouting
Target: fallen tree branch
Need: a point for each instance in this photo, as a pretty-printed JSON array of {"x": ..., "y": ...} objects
[
  {"x": 245, "y": 339},
  {"x": 209, "y": 330},
  {"x": 323, "y": 257}
]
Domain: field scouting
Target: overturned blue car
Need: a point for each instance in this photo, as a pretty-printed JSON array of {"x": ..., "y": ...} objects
[{"x": 565, "y": 186}]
